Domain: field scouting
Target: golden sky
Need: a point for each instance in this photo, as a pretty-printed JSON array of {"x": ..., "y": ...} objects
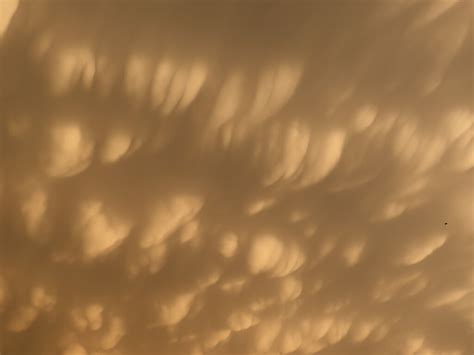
[{"x": 236, "y": 177}]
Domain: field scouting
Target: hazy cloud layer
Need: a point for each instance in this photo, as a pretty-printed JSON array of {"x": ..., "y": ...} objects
[{"x": 248, "y": 178}]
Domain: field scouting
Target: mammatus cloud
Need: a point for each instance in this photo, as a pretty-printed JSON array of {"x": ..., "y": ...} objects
[
  {"x": 8, "y": 8},
  {"x": 236, "y": 178}
]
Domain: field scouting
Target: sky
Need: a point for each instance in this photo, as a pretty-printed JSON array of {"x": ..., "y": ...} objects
[{"x": 236, "y": 177}]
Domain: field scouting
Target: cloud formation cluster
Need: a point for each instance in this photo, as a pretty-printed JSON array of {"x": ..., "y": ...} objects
[{"x": 236, "y": 178}]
